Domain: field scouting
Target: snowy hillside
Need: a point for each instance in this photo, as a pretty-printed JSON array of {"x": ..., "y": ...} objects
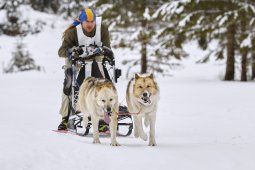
[{"x": 202, "y": 122}]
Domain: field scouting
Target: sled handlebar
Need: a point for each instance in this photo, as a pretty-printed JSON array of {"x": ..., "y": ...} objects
[{"x": 92, "y": 52}]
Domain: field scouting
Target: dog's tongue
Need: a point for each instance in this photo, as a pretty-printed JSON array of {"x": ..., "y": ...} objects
[{"x": 107, "y": 118}]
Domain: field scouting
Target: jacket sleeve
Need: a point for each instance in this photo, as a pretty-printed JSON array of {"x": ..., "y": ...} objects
[
  {"x": 105, "y": 36},
  {"x": 69, "y": 40}
]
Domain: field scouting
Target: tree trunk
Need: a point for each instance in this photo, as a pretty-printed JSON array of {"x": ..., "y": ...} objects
[
  {"x": 244, "y": 65},
  {"x": 244, "y": 50},
  {"x": 253, "y": 65},
  {"x": 144, "y": 58},
  {"x": 143, "y": 36},
  {"x": 144, "y": 49},
  {"x": 230, "y": 65}
]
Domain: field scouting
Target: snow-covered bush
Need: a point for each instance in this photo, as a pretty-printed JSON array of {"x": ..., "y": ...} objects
[{"x": 21, "y": 60}]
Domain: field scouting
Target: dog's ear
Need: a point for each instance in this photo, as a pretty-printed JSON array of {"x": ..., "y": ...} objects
[
  {"x": 137, "y": 76},
  {"x": 109, "y": 85},
  {"x": 97, "y": 89}
]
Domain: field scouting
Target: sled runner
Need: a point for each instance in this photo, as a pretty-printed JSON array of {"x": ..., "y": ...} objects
[{"x": 92, "y": 61}]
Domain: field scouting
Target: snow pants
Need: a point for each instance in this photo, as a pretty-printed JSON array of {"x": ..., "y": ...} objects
[{"x": 67, "y": 82}]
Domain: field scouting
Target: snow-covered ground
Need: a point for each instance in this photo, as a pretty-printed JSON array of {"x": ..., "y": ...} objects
[{"x": 202, "y": 122}]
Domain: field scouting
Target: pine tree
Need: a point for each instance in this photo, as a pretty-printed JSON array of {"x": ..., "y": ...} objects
[
  {"x": 239, "y": 14},
  {"x": 12, "y": 26},
  {"x": 133, "y": 19},
  {"x": 45, "y": 5},
  {"x": 225, "y": 21},
  {"x": 21, "y": 60},
  {"x": 70, "y": 8},
  {"x": 169, "y": 38}
]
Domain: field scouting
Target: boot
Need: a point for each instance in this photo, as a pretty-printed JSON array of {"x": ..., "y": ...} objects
[
  {"x": 63, "y": 124},
  {"x": 102, "y": 126}
]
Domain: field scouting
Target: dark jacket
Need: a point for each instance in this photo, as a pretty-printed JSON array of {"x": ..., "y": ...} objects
[{"x": 71, "y": 39}]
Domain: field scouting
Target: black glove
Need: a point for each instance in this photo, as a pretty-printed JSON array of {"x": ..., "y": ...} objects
[
  {"x": 77, "y": 50},
  {"x": 108, "y": 53}
]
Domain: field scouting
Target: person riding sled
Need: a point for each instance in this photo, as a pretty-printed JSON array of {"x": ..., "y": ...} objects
[{"x": 86, "y": 30}]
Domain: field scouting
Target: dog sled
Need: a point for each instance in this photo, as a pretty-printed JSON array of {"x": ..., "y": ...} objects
[{"x": 88, "y": 61}]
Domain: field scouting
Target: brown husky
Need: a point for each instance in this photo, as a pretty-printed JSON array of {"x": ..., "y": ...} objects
[
  {"x": 142, "y": 98},
  {"x": 98, "y": 98}
]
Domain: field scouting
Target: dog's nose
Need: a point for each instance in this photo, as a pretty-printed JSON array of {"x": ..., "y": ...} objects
[
  {"x": 108, "y": 109},
  {"x": 145, "y": 94}
]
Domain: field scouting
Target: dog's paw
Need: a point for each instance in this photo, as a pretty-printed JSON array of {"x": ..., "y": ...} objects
[
  {"x": 152, "y": 144},
  {"x": 96, "y": 141},
  {"x": 115, "y": 143},
  {"x": 144, "y": 136}
]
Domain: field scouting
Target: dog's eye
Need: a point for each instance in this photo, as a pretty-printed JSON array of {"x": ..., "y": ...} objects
[
  {"x": 148, "y": 86},
  {"x": 103, "y": 101},
  {"x": 110, "y": 99},
  {"x": 140, "y": 87}
]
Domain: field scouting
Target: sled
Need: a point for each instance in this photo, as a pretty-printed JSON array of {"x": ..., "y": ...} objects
[{"x": 94, "y": 54}]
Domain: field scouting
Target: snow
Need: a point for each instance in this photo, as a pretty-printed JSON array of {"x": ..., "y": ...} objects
[
  {"x": 169, "y": 8},
  {"x": 202, "y": 122},
  {"x": 246, "y": 42},
  {"x": 222, "y": 20},
  {"x": 146, "y": 14},
  {"x": 186, "y": 19}
]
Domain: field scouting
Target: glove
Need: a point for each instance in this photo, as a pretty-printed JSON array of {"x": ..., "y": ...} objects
[
  {"x": 108, "y": 53},
  {"x": 76, "y": 50}
]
